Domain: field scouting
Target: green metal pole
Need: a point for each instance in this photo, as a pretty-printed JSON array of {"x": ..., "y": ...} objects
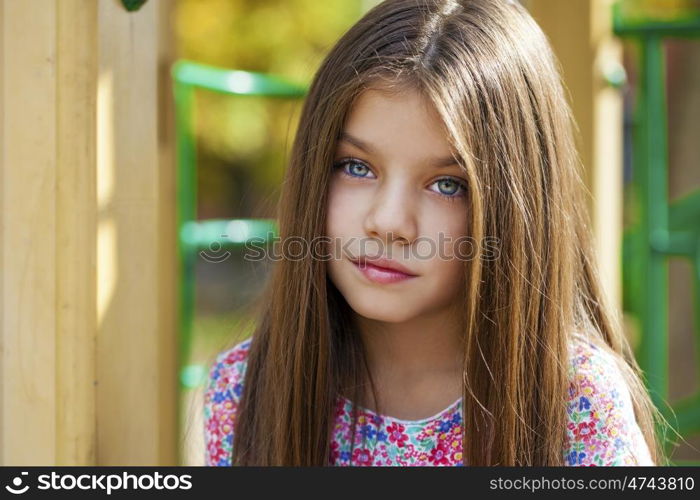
[
  {"x": 186, "y": 210},
  {"x": 651, "y": 167}
]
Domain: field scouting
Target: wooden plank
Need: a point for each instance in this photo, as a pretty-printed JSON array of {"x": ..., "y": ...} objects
[
  {"x": 76, "y": 220},
  {"x": 87, "y": 300},
  {"x": 28, "y": 238},
  {"x": 128, "y": 406},
  {"x": 167, "y": 258}
]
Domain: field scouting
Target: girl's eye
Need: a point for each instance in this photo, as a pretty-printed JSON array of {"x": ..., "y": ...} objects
[
  {"x": 448, "y": 187},
  {"x": 353, "y": 168}
]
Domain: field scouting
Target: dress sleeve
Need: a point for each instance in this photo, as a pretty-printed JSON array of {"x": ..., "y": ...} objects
[
  {"x": 602, "y": 429},
  {"x": 221, "y": 397}
]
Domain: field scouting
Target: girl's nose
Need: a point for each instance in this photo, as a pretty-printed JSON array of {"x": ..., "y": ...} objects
[{"x": 391, "y": 215}]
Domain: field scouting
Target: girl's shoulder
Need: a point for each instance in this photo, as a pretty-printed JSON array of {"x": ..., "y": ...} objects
[
  {"x": 588, "y": 359},
  {"x": 222, "y": 394},
  {"x": 602, "y": 427},
  {"x": 231, "y": 361},
  {"x": 594, "y": 365}
]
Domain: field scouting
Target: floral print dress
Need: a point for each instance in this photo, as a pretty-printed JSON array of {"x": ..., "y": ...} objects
[{"x": 601, "y": 428}]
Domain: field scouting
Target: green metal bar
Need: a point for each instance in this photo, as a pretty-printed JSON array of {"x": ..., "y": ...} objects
[
  {"x": 200, "y": 234},
  {"x": 688, "y": 29},
  {"x": 626, "y": 23},
  {"x": 651, "y": 172},
  {"x": 685, "y": 212},
  {"x": 234, "y": 82},
  {"x": 203, "y": 235},
  {"x": 186, "y": 209},
  {"x": 185, "y": 177},
  {"x": 676, "y": 244}
]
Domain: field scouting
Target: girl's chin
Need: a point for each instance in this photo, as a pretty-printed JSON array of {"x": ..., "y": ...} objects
[
  {"x": 386, "y": 319},
  {"x": 390, "y": 311}
]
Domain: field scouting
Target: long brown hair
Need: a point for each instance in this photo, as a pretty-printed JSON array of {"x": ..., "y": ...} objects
[{"x": 490, "y": 73}]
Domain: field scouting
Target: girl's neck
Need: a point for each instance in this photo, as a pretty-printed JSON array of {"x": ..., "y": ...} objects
[
  {"x": 416, "y": 366},
  {"x": 423, "y": 348}
]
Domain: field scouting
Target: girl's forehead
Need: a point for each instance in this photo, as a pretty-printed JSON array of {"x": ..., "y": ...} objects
[
  {"x": 404, "y": 102},
  {"x": 403, "y": 120}
]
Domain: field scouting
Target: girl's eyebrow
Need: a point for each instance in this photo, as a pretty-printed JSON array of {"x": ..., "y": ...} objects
[{"x": 364, "y": 146}]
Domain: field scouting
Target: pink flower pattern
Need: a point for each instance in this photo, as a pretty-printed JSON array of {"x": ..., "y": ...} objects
[{"x": 601, "y": 431}]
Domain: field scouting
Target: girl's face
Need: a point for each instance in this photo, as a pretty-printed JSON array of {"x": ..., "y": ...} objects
[{"x": 396, "y": 192}]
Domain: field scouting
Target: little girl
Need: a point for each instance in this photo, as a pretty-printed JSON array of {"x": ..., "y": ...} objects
[{"x": 452, "y": 314}]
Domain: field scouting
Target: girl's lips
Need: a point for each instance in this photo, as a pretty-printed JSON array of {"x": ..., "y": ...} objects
[{"x": 381, "y": 274}]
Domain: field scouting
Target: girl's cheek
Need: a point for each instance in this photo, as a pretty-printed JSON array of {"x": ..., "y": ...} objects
[
  {"x": 345, "y": 202},
  {"x": 333, "y": 208},
  {"x": 455, "y": 240},
  {"x": 341, "y": 214}
]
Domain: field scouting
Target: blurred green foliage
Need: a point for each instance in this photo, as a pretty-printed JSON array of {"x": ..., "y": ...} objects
[{"x": 243, "y": 142}]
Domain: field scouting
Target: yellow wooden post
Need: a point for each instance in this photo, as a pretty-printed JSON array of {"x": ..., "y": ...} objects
[
  {"x": 580, "y": 32},
  {"x": 29, "y": 258},
  {"x": 168, "y": 267},
  {"x": 87, "y": 331},
  {"x": 75, "y": 69}
]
